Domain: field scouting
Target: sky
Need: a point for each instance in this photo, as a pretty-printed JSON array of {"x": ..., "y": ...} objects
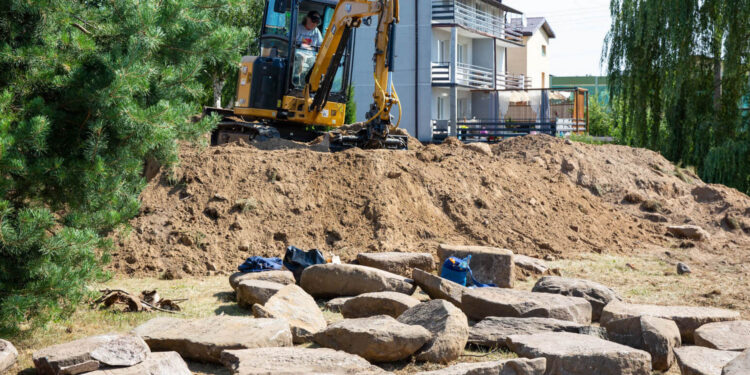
[{"x": 580, "y": 27}]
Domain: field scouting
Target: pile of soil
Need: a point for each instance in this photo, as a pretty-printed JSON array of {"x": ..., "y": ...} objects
[{"x": 535, "y": 195}]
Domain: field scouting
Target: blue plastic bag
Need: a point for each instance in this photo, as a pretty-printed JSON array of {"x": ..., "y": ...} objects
[{"x": 458, "y": 270}]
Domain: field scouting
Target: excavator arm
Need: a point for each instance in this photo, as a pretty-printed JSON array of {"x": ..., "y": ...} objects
[{"x": 350, "y": 14}]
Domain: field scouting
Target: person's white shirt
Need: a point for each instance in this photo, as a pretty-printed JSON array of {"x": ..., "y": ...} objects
[{"x": 305, "y": 37}]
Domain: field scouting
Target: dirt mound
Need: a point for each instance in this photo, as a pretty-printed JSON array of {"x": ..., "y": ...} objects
[{"x": 536, "y": 195}]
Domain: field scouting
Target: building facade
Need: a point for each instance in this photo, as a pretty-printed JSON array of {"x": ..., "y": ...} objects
[
  {"x": 451, "y": 60},
  {"x": 533, "y": 59}
]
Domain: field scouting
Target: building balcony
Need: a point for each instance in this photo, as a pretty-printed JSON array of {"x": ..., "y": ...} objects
[
  {"x": 476, "y": 77},
  {"x": 456, "y": 13}
]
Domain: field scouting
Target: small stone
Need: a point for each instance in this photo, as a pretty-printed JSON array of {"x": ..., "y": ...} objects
[
  {"x": 210, "y": 266},
  {"x": 378, "y": 303},
  {"x": 683, "y": 268},
  {"x": 480, "y": 147},
  {"x": 697, "y": 360}
]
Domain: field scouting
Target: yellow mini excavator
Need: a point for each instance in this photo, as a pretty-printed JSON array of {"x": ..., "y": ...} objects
[{"x": 298, "y": 86}]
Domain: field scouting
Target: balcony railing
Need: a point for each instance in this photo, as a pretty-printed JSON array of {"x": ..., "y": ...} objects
[
  {"x": 451, "y": 11},
  {"x": 477, "y": 77}
]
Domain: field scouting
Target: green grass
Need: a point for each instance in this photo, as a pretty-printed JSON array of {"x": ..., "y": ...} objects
[{"x": 587, "y": 139}]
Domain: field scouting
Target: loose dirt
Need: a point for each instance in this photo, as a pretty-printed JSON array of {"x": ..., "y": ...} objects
[{"x": 535, "y": 195}]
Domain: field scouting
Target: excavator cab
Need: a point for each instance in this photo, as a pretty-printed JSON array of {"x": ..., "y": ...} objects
[{"x": 271, "y": 86}]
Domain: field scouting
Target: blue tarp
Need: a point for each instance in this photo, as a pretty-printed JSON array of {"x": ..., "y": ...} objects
[{"x": 260, "y": 264}]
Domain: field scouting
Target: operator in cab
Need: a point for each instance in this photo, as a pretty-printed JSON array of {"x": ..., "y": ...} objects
[
  {"x": 308, "y": 34},
  {"x": 308, "y": 41}
]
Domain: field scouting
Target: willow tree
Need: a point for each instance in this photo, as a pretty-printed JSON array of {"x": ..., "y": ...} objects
[{"x": 678, "y": 71}]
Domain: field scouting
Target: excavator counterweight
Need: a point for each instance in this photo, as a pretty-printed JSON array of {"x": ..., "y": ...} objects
[{"x": 298, "y": 87}]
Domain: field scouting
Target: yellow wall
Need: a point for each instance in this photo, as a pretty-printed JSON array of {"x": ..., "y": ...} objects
[{"x": 529, "y": 60}]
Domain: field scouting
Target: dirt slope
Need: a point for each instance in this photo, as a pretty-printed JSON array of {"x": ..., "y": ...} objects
[{"x": 535, "y": 195}]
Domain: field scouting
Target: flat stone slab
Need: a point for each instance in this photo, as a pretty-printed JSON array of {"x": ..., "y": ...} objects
[
  {"x": 342, "y": 280},
  {"x": 281, "y": 277},
  {"x": 439, "y": 288},
  {"x": 697, "y": 360},
  {"x": 8, "y": 355},
  {"x": 530, "y": 265},
  {"x": 688, "y": 318},
  {"x": 378, "y": 338},
  {"x": 519, "y": 366},
  {"x": 657, "y": 336},
  {"x": 449, "y": 327},
  {"x": 298, "y": 308},
  {"x": 90, "y": 354},
  {"x": 574, "y": 354},
  {"x": 738, "y": 366},
  {"x": 378, "y": 303},
  {"x": 484, "y": 302},
  {"x": 494, "y": 331},
  {"x": 287, "y": 361},
  {"x": 398, "y": 263},
  {"x": 488, "y": 264},
  {"x": 161, "y": 363},
  {"x": 204, "y": 339},
  {"x": 597, "y": 294},
  {"x": 733, "y": 335},
  {"x": 336, "y": 304},
  {"x": 250, "y": 292}
]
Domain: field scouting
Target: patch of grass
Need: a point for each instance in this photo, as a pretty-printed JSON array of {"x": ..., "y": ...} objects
[
  {"x": 588, "y": 139},
  {"x": 245, "y": 205},
  {"x": 651, "y": 206}
]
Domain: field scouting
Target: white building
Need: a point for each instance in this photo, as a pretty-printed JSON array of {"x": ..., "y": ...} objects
[
  {"x": 451, "y": 56},
  {"x": 533, "y": 60}
]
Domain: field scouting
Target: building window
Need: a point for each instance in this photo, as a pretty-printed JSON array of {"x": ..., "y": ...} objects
[
  {"x": 462, "y": 53},
  {"x": 464, "y": 109},
  {"x": 544, "y": 51},
  {"x": 440, "y": 108},
  {"x": 442, "y": 51}
]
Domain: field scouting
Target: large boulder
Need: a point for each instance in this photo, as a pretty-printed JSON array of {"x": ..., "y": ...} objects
[
  {"x": 90, "y": 354},
  {"x": 439, "y": 288},
  {"x": 288, "y": 361},
  {"x": 697, "y": 360},
  {"x": 398, "y": 263},
  {"x": 738, "y": 366},
  {"x": 488, "y": 264},
  {"x": 250, "y": 292},
  {"x": 340, "y": 280},
  {"x": 597, "y": 294},
  {"x": 378, "y": 303},
  {"x": 162, "y": 363},
  {"x": 493, "y": 331},
  {"x": 281, "y": 277},
  {"x": 204, "y": 339},
  {"x": 298, "y": 308},
  {"x": 733, "y": 335},
  {"x": 657, "y": 336},
  {"x": 8, "y": 355},
  {"x": 692, "y": 232},
  {"x": 688, "y": 318},
  {"x": 574, "y": 354},
  {"x": 519, "y": 366},
  {"x": 449, "y": 327},
  {"x": 378, "y": 338},
  {"x": 483, "y": 302}
]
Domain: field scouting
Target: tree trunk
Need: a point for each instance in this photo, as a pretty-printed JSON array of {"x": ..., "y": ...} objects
[{"x": 218, "y": 87}]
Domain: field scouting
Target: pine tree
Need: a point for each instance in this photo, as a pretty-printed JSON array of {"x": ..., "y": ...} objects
[{"x": 89, "y": 89}]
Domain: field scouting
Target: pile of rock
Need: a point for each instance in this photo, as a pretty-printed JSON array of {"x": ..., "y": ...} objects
[{"x": 113, "y": 354}]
